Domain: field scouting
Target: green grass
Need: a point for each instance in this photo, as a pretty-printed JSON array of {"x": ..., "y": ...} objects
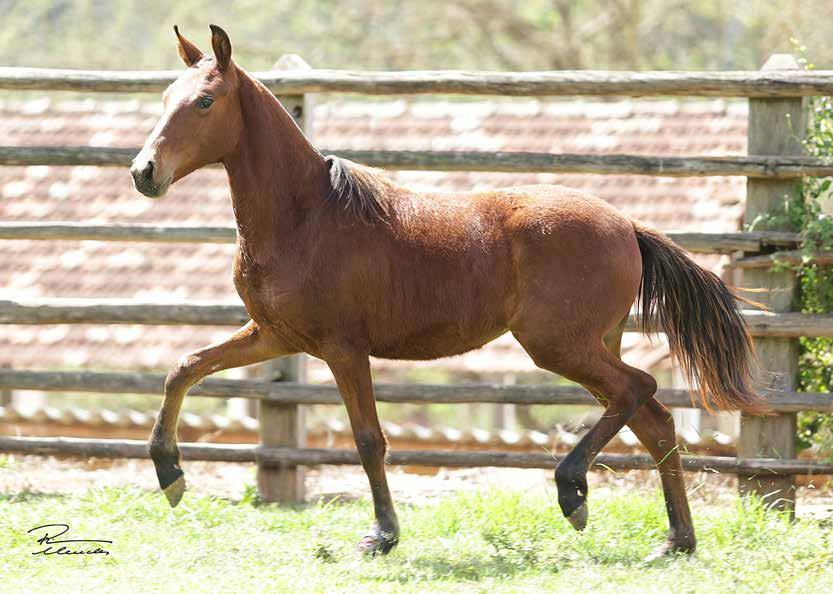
[{"x": 488, "y": 542}]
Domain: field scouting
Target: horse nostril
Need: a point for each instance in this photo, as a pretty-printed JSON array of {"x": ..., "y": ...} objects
[{"x": 147, "y": 172}]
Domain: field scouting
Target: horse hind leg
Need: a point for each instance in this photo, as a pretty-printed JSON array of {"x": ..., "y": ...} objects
[
  {"x": 623, "y": 390},
  {"x": 653, "y": 425}
]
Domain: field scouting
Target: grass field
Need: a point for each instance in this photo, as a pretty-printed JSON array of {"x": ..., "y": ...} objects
[{"x": 473, "y": 542}]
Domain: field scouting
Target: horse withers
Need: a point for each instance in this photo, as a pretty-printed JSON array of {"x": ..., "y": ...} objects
[{"x": 336, "y": 260}]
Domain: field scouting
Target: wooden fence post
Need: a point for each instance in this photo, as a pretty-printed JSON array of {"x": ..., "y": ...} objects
[
  {"x": 776, "y": 127},
  {"x": 282, "y": 425}
]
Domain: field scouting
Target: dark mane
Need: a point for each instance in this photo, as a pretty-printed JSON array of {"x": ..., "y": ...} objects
[{"x": 358, "y": 190}]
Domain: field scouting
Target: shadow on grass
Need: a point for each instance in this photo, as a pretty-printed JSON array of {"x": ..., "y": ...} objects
[
  {"x": 476, "y": 568},
  {"x": 507, "y": 564},
  {"x": 28, "y": 495},
  {"x": 469, "y": 567}
]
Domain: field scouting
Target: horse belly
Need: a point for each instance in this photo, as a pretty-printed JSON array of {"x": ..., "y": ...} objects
[
  {"x": 452, "y": 321},
  {"x": 435, "y": 342}
]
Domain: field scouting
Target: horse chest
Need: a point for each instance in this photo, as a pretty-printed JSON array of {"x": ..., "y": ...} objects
[{"x": 270, "y": 294}]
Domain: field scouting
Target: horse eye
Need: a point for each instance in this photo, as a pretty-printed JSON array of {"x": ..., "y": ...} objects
[{"x": 205, "y": 102}]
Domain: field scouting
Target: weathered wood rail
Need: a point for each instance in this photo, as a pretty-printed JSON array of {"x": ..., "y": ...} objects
[
  {"x": 776, "y": 162},
  {"x": 194, "y": 313},
  {"x": 753, "y": 166},
  {"x": 702, "y": 243},
  {"x": 514, "y": 84},
  {"x": 787, "y": 258},
  {"x": 113, "y": 448},
  {"x": 162, "y": 233},
  {"x": 284, "y": 392}
]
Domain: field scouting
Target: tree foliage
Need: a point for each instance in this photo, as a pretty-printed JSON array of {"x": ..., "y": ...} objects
[
  {"x": 402, "y": 34},
  {"x": 815, "y": 218}
]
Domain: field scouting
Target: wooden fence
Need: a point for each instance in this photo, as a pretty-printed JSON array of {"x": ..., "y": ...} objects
[{"x": 766, "y": 462}]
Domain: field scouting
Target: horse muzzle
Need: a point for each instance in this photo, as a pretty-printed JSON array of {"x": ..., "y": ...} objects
[{"x": 144, "y": 176}]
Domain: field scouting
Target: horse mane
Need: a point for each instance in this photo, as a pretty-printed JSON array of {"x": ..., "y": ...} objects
[{"x": 359, "y": 190}]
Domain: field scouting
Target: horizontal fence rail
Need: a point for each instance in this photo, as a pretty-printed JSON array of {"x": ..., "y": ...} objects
[
  {"x": 781, "y": 84},
  {"x": 705, "y": 243},
  {"x": 129, "y": 311},
  {"x": 122, "y": 311},
  {"x": 111, "y": 448},
  {"x": 147, "y": 233},
  {"x": 195, "y": 313},
  {"x": 512, "y": 162},
  {"x": 299, "y": 393},
  {"x": 533, "y": 84},
  {"x": 783, "y": 258},
  {"x": 771, "y": 167}
]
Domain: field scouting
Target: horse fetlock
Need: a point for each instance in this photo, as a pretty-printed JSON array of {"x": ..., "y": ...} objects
[
  {"x": 684, "y": 542},
  {"x": 674, "y": 545},
  {"x": 163, "y": 453},
  {"x": 380, "y": 540}
]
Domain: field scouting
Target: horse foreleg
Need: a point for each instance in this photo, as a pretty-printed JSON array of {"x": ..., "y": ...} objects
[
  {"x": 246, "y": 346},
  {"x": 352, "y": 375}
]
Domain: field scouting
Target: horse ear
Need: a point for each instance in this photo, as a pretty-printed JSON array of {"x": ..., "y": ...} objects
[
  {"x": 221, "y": 45},
  {"x": 189, "y": 52}
]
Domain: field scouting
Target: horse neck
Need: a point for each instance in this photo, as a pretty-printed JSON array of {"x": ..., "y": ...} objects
[{"x": 276, "y": 176}]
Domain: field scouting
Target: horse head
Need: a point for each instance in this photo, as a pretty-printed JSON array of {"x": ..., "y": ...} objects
[{"x": 201, "y": 119}]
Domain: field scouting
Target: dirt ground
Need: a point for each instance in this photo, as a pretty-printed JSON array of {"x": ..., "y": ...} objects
[{"x": 229, "y": 480}]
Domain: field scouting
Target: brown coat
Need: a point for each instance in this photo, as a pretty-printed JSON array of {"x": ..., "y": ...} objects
[{"x": 337, "y": 261}]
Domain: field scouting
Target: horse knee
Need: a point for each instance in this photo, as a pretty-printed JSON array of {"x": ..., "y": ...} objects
[{"x": 181, "y": 377}]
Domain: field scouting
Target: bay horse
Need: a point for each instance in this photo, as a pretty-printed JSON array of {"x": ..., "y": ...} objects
[{"x": 336, "y": 260}]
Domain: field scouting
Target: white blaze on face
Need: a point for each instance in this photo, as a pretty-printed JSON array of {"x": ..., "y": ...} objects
[{"x": 153, "y": 169}]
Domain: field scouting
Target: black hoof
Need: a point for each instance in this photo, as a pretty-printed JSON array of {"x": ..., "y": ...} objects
[
  {"x": 378, "y": 542},
  {"x": 175, "y": 491},
  {"x": 572, "y": 498},
  {"x": 578, "y": 519},
  {"x": 170, "y": 475}
]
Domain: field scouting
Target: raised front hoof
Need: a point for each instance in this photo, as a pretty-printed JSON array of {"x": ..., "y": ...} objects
[
  {"x": 174, "y": 491},
  {"x": 578, "y": 518},
  {"x": 670, "y": 548},
  {"x": 171, "y": 480},
  {"x": 378, "y": 542}
]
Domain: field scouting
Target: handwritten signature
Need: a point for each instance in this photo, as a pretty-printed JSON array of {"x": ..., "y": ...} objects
[{"x": 52, "y": 531}]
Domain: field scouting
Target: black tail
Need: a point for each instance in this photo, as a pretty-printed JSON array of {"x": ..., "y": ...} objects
[{"x": 698, "y": 312}]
